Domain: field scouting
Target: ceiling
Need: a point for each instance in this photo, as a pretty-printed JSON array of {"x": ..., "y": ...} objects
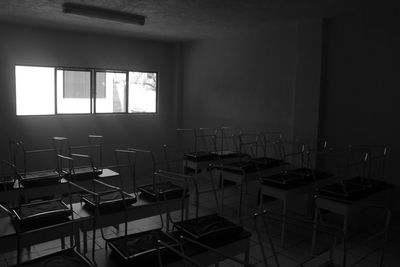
[{"x": 176, "y": 20}]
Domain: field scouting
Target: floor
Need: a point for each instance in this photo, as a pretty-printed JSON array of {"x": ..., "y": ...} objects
[{"x": 294, "y": 251}]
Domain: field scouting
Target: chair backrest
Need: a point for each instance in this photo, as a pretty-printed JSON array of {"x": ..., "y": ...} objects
[
  {"x": 27, "y": 161},
  {"x": 148, "y": 166},
  {"x": 225, "y": 138},
  {"x": 357, "y": 161},
  {"x": 201, "y": 140},
  {"x": 376, "y": 162},
  {"x": 8, "y": 175},
  {"x": 125, "y": 164},
  {"x": 271, "y": 144},
  {"x": 181, "y": 180},
  {"x": 302, "y": 229}
]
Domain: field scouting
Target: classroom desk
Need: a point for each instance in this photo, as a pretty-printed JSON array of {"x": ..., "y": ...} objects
[
  {"x": 235, "y": 246},
  {"x": 290, "y": 191},
  {"x": 11, "y": 196},
  {"x": 9, "y": 237},
  {"x": 347, "y": 208},
  {"x": 139, "y": 210},
  {"x": 243, "y": 172}
]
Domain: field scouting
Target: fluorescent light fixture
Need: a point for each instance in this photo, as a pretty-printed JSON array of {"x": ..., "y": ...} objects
[{"x": 103, "y": 13}]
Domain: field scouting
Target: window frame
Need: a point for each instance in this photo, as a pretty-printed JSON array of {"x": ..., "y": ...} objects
[
  {"x": 92, "y": 97},
  {"x": 90, "y": 90}
]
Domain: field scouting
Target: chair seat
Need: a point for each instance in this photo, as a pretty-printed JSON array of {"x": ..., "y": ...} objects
[
  {"x": 286, "y": 180},
  {"x": 39, "y": 214},
  {"x": 319, "y": 175},
  {"x": 142, "y": 247},
  {"x": 252, "y": 165},
  {"x": 6, "y": 183},
  {"x": 40, "y": 178},
  {"x": 366, "y": 182},
  {"x": 199, "y": 156},
  {"x": 166, "y": 191},
  {"x": 209, "y": 228},
  {"x": 67, "y": 258},
  {"x": 109, "y": 201},
  {"x": 348, "y": 190},
  {"x": 85, "y": 173}
]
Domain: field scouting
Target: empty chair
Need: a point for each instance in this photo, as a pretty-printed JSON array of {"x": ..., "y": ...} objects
[
  {"x": 57, "y": 229},
  {"x": 158, "y": 190},
  {"x": 330, "y": 251},
  {"x": 84, "y": 164},
  {"x": 193, "y": 253},
  {"x": 36, "y": 167},
  {"x": 213, "y": 229},
  {"x": 107, "y": 197},
  {"x": 256, "y": 159},
  {"x": 358, "y": 182},
  {"x": 354, "y": 192},
  {"x": 141, "y": 248},
  {"x": 8, "y": 175}
]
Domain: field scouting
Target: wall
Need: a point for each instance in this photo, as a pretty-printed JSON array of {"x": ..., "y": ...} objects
[
  {"x": 360, "y": 92},
  {"x": 27, "y": 45},
  {"x": 264, "y": 81}
]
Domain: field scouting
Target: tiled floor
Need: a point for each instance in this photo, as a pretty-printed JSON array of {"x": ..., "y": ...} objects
[{"x": 295, "y": 249}]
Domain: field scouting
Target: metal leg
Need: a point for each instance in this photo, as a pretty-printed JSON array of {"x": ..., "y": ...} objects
[
  {"x": 77, "y": 240},
  {"x": 214, "y": 189},
  {"x": 63, "y": 243},
  {"x": 85, "y": 245},
  {"x": 167, "y": 224},
  {"x": 283, "y": 230},
  {"x": 247, "y": 256},
  {"x": 260, "y": 199},
  {"x": 314, "y": 236},
  {"x": 240, "y": 203},
  {"x": 222, "y": 194},
  {"x": 187, "y": 210}
]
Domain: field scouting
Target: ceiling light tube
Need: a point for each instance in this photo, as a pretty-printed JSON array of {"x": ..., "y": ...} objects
[{"x": 103, "y": 13}]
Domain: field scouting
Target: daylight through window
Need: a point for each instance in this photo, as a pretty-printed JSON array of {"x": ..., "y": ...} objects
[{"x": 55, "y": 90}]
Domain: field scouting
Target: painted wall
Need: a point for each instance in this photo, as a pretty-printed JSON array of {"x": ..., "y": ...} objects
[
  {"x": 27, "y": 45},
  {"x": 264, "y": 81},
  {"x": 360, "y": 92}
]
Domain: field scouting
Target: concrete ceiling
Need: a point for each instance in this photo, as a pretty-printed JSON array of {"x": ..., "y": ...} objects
[{"x": 176, "y": 20}]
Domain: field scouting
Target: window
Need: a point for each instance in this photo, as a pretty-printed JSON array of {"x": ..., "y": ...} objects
[
  {"x": 142, "y": 92},
  {"x": 55, "y": 90},
  {"x": 110, "y": 92},
  {"x": 34, "y": 90},
  {"x": 73, "y": 91}
]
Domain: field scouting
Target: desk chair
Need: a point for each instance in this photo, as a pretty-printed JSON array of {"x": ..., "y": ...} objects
[
  {"x": 44, "y": 221},
  {"x": 212, "y": 229},
  {"x": 209, "y": 145},
  {"x": 8, "y": 176},
  {"x": 200, "y": 255},
  {"x": 66, "y": 256},
  {"x": 35, "y": 167},
  {"x": 84, "y": 164},
  {"x": 329, "y": 245},
  {"x": 256, "y": 159},
  {"x": 140, "y": 248},
  {"x": 357, "y": 189},
  {"x": 102, "y": 195}
]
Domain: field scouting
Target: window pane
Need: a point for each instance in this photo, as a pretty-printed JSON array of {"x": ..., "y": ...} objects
[
  {"x": 110, "y": 92},
  {"x": 142, "y": 92},
  {"x": 34, "y": 90},
  {"x": 73, "y": 91}
]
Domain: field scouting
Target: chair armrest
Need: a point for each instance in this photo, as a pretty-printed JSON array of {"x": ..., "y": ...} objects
[
  {"x": 80, "y": 155},
  {"x": 5, "y": 210}
]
